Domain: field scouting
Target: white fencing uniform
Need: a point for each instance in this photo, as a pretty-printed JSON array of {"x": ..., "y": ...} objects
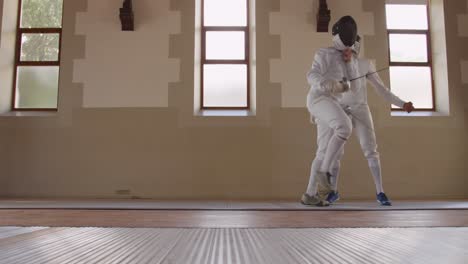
[
  {"x": 355, "y": 105},
  {"x": 334, "y": 125}
]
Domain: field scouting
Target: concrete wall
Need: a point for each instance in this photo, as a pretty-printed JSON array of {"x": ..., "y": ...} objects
[{"x": 125, "y": 120}]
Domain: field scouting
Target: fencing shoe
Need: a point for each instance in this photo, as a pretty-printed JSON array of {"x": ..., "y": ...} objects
[
  {"x": 383, "y": 199},
  {"x": 333, "y": 196},
  {"x": 313, "y": 200}
]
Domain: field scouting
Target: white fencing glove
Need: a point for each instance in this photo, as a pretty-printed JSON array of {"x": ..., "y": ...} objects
[
  {"x": 346, "y": 84},
  {"x": 338, "y": 86}
]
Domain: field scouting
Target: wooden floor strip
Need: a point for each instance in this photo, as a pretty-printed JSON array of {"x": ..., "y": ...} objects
[
  {"x": 233, "y": 219},
  {"x": 147, "y": 204}
]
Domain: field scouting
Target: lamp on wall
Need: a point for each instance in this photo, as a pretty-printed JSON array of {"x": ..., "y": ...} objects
[
  {"x": 323, "y": 17},
  {"x": 126, "y": 16}
]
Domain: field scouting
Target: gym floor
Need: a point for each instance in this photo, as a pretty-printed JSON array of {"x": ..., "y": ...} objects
[{"x": 118, "y": 231}]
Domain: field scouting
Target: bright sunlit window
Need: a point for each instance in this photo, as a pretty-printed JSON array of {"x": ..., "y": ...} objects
[
  {"x": 225, "y": 54},
  {"x": 37, "y": 58},
  {"x": 410, "y": 54}
]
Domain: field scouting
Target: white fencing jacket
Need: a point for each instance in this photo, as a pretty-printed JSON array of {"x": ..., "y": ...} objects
[
  {"x": 358, "y": 92},
  {"x": 328, "y": 65}
]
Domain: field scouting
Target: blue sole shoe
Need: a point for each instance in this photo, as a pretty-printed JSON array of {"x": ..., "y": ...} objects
[
  {"x": 383, "y": 199},
  {"x": 333, "y": 197}
]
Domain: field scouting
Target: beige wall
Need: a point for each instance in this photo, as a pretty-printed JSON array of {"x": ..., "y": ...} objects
[
  {"x": 462, "y": 22},
  {"x": 133, "y": 67},
  {"x": 1, "y": 12},
  {"x": 126, "y": 117},
  {"x": 463, "y": 32}
]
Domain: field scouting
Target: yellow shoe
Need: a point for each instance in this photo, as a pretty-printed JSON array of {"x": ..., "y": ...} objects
[{"x": 313, "y": 200}]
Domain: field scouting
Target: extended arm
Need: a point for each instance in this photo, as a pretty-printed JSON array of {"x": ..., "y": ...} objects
[{"x": 381, "y": 89}]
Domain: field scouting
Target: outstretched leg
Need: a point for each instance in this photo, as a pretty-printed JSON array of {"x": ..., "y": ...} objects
[{"x": 364, "y": 128}]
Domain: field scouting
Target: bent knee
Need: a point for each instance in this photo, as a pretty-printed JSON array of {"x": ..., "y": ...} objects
[{"x": 344, "y": 130}]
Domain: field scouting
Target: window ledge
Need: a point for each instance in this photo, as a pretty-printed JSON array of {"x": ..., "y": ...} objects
[
  {"x": 28, "y": 114},
  {"x": 237, "y": 113},
  {"x": 417, "y": 114}
]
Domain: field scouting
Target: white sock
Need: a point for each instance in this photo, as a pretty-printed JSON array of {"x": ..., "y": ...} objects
[
  {"x": 333, "y": 150},
  {"x": 312, "y": 187},
  {"x": 374, "y": 166}
]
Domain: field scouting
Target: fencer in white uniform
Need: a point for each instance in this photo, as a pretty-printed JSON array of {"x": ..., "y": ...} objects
[
  {"x": 354, "y": 104},
  {"x": 327, "y": 83}
]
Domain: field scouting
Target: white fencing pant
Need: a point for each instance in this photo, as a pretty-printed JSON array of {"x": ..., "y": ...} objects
[
  {"x": 323, "y": 132},
  {"x": 364, "y": 129},
  {"x": 334, "y": 127}
]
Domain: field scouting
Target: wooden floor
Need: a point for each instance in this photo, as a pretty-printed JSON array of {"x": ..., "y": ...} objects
[
  {"x": 281, "y": 205},
  {"x": 99, "y": 236},
  {"x": 233, "y": 245},
  {"x": 232, "y": 219}
]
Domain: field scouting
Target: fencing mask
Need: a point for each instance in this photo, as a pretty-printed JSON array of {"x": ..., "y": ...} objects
[{"x": 346, "y": 28}]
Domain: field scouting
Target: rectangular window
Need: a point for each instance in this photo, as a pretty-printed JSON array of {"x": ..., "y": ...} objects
[
  {"x": 37, "y": 58},
  {"x": 410, "y": 59},
  {"x": 225, "y": 54}
]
